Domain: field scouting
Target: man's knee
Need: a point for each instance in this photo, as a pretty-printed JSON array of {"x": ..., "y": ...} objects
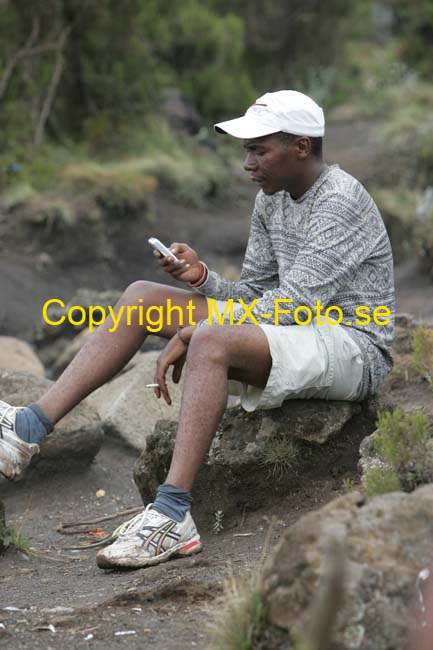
[
  {"x": 209, "y": 342},
  {"x": 142, "y": 291}
]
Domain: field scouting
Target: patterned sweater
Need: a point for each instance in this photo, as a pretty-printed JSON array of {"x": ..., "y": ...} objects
[{"x": 329, "y": 245}]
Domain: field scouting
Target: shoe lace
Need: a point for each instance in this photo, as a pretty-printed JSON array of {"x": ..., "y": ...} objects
[
  {"x": 133, "y": 524},
  {"x": 4, "y": 414}
]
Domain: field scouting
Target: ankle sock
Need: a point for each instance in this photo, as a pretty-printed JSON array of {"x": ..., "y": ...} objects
[
  {"x": 31, "y": 424},
  {"x": 172, "y": 502}
]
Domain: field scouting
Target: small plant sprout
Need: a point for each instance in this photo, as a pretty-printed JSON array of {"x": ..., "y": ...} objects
[
  {"x": 348, "y": 485},
  {"x": 14, "y": 537},
  {"x": 218, "y": 526}
]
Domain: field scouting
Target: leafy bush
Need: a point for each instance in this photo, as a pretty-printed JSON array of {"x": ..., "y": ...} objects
[
  {"x": 381, "y": 481},
  {"x": 403, "y": 442},
  {"x": 402, "y": 437}
]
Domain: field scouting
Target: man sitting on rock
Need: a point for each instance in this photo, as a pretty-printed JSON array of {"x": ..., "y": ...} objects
[{"x": 317, "y": 248}]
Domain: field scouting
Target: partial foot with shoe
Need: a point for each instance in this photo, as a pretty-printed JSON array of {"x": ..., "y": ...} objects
[
  {"x": 150, "y": 538},
  {"x": 15, "y": 454}
]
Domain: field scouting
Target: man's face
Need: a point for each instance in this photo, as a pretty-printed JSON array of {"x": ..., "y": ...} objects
[{"x": 272, "y": 163}]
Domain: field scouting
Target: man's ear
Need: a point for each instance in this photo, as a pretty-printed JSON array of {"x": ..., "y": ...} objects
[{"x": 303, "y": 147}]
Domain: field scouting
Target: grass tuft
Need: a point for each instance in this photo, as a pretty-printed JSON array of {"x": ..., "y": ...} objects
[
  {"x": 16, "y": 538},
  {"x": 240, "y": 617},
  {"x": 281, "y": 456}
]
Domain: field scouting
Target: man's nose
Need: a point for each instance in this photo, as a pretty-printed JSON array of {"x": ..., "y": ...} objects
[{"x": 250, "y": 163}]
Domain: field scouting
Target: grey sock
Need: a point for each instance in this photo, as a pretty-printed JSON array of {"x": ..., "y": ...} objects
[
  {"x": 32, "y": 425},
  {"x": 172, "y": 501}
]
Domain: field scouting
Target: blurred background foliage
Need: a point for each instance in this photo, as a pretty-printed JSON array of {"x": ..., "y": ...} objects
[
  {"x": 84, "y": 84},
  {"x": 98, "y": 67}
]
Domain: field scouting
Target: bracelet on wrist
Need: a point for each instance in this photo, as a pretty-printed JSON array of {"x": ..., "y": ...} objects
[
  {"x": 202, "y": 277},
  {"x": 179, "y": 336}
]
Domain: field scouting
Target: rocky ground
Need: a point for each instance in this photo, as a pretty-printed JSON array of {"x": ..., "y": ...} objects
[{"x": 59, "y": 598}]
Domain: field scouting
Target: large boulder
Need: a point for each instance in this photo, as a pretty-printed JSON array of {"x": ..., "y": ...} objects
[
  {"x": 18, "y": 355},
  {"x": 128, "y": 409},
  {"x": 257, "y": 455},
  {"x": 387, "y": 542},
  {"x": 76, "y": 439}
]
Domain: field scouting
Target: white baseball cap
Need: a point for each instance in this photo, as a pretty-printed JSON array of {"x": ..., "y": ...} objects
[{"x": 285, "y": 110}]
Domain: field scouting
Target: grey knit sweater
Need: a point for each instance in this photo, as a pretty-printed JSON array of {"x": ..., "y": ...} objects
[{"x": 329, "y": 245}]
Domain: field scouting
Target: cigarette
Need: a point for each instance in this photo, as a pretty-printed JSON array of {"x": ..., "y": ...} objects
[{"x": 152, "y": 385}]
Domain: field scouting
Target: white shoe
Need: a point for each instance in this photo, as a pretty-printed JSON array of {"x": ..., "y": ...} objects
[
  {"x": 150, "y": 538},
  {"x": 15, "y": 454}
]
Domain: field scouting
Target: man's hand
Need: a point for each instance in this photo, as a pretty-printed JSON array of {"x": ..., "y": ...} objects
[
  {"x": 174, "y": 354},
  {"x": 188, "y": 269}
]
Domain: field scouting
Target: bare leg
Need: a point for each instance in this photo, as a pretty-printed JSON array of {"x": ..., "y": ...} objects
[
  {"x": 105, "y": 353},
  {"x": 215, "y": 354}
]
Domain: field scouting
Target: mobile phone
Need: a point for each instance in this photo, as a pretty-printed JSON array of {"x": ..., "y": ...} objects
[{"x": 159, "y": 246}]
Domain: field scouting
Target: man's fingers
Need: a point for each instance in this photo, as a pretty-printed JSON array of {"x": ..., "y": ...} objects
[
  {"x": 160, "y": 380},
  {"x": 177, "y": 247},
  {"x": 177, "y": 373},
  {"x": 171, "y": 266},
  {"x": 179, "y": 273}
]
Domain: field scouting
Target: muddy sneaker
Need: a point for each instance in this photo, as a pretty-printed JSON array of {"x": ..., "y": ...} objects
[
  {"x": 15, "y": 454},
  {"x": 150, "y": 538}
]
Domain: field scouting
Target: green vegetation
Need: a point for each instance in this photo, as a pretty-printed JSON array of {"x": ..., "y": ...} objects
[
  {"x": 16, "y": 538},
  {"x": 381, "y": 481},
  {"x": 402, "y": 437},
  {"x": 423, "y": 352},
  {"x": 280, "y": 456},
  {"x": 81, "y": 85},
  {"x": 348, "y": 485},
  {"x": 240, "y": 617},
  {"x": 403, "y": 443}
]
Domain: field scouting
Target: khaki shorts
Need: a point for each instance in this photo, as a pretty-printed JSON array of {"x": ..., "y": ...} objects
[{"x": 308, "y": 361}]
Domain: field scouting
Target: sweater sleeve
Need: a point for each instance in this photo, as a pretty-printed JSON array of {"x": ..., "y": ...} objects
[
  {"x": 259, "y": 270},
  {"x": 336, "y": 243}
]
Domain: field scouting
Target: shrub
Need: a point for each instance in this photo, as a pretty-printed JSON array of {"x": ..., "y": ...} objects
[
  {"x": 381, "y": 481},
  {"x": 402, "y": 437}
]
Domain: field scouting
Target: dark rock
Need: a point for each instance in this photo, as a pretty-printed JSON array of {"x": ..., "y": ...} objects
[{"x": 250, "y": 460}]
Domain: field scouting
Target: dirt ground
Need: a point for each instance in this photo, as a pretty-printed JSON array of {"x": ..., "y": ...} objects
[
  {"x": 60, "y": 599},
  {"x": 166, "y": 607}
]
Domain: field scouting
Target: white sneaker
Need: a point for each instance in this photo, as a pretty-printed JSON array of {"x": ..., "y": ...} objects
[
  {"x": 15, "y": 454},
  {"x": 150, "y": 538}
]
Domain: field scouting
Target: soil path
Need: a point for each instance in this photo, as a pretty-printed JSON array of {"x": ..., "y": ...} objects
[{"x": 166, "y": 607}]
